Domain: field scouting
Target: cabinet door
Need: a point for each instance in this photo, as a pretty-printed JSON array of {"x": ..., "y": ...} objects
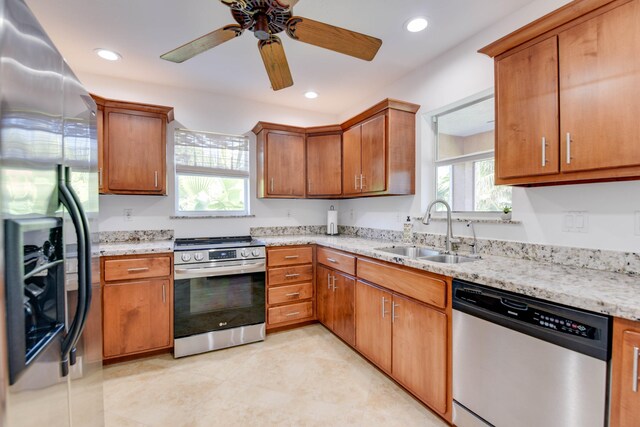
[
  {"x": 136, "y": 153},
  {"x": 600, "y": 91},
  {"x": 324, "y": 165},
  {"x": 285, "y": 164},
  {"x": 136, "y": 316},
  {"x": 344, "y": 307},
  {"x": 374, "y": 156},
  {"x": 420, "y": 351},
  {"x": 373, "y": 324},
  {"x": 625, "y": 384},
  {"x": 527, "y": 112},
  {"x": 324, "y": 297},
  {"x": 101, "y": 152},
  {"x": 351, "y": 158}
]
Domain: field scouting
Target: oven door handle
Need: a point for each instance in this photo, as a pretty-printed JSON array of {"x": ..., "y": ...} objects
[{"x": 192, "y": 273}]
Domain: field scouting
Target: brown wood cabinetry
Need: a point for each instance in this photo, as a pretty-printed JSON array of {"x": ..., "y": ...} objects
[
  {"x": 625, "y": 381},
  {"x": 132, "y": 147},
  {"x": 336, "y": 302},
  {"x": 568, "y": 96},
  {"x": 372, "y": 154},
  {"x": 137, "y": 298},
  {"x": 324, "y": 165},
  {"x": 290, "y": 286},
  {"x": 408, "y": 339},
  {"x": 281, "y": 161}
]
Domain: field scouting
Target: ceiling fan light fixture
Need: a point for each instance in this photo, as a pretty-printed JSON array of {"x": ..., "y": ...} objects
[
  {"x": 311, "y": 94},
  {"x": 107, "y": 54},
  {"x": 417, "y": 24}
]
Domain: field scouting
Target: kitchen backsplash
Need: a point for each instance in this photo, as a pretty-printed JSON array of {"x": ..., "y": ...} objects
[{"x": 135, "y": 236}]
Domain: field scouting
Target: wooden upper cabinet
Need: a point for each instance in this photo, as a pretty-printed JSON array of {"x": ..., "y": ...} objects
[
  {"x": 625, "y": 380},
  {"x": 352, "y": 164},
  {"x": 371, "y": 154},
  {"x": 527, "y": 111},
  {"x": 600, "y": 91},
  {"x": 374, "y": 156},
  {"x": 132, "y": 147},
  {"x": 572, "y": 77},
  {"x": 324, "y": 165}
]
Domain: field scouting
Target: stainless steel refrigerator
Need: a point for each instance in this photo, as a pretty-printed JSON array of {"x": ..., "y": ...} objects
[{"x": 50, "y": 302}]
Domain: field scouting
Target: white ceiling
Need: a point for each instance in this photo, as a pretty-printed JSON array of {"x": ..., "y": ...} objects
[{"x": 142, "y": 30}]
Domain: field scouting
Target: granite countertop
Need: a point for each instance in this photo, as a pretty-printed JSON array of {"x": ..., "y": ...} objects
[
  {"x": 136, "y": 248},
  {"x": 615, "y": 294}
]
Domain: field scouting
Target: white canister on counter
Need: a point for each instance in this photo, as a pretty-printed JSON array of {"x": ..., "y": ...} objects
[{"x": 332, "y": 221}]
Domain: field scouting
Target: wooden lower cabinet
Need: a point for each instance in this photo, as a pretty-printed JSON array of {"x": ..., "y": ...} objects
[
  {"x": 137, "y": 304},
  {"x": 408, "y": 340},
  {"x": 137, "y": 317},
  {"x": 336, "y": 303},
  {"x": 625, "y": 381}
]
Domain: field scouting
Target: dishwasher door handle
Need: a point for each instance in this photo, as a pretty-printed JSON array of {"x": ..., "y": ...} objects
[{"x": 514, "y": 304}]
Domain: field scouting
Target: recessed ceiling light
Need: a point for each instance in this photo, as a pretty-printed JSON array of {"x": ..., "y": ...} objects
[
  {"x": 415, "y": 25},
  {"x": 107, "y": 54},
  {"x": 311, "y": 94}
]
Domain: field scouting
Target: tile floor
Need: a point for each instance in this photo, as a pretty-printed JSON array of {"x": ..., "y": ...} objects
[{"x": 303, "y": 377}]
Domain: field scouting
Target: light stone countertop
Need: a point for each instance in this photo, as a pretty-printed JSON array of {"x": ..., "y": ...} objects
[
  {"x": 136, "y": 248},
  {"x": 604, "y": 292}
]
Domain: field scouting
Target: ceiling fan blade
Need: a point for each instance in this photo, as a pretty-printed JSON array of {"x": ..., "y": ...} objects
[
  {"x": 204, "y": 43},
  {"x": 333, "y": 38},
  {"x": 275, "y": 62}
]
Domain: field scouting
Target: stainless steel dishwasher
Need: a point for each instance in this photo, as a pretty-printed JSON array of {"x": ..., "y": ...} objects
[{"x": 520, "y": 361}]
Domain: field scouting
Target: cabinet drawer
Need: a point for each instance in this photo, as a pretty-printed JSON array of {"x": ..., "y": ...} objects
[
  {"x": 290, "y": 293},
  {"x": 421, "y": 286},
  {"x": 337, "y": 260},
  {"x": 298, "y": 273},
  {"x": 136, "y": 268},
  {"x": 291, "y": 312},
  {"x": 289, "y": 256}
]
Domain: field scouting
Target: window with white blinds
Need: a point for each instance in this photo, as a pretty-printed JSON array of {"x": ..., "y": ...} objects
[{"x": 212, "y": 173}]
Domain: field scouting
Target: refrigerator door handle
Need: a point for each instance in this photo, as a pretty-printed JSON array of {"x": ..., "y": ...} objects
[{"x": 75, "y": 329}]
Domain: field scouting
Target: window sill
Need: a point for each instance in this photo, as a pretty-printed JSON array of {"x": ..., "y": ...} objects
[
  {"x": 210, "y": 216},
  {"x": 474, "y": 220}
]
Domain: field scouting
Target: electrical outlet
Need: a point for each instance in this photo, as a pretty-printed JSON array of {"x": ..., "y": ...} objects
[
  {"x": 128, "y": 213},
  {"x": 289, "y": 213},
  {"x": 567, "y": 222},
  {"x": 352, "y": 214},
  {"x": 637, "y": 221},
  {"x": 575, "y": 222}
]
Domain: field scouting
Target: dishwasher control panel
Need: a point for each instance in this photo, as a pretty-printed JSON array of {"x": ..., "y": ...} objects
[{"x": 525, "y": 312}]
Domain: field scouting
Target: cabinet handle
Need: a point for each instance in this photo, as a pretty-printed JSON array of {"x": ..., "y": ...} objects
[
  {"x": 293, "y": 314},
  {"x": 355, "y": 184},
  {"x": 362, "y": 178},
  {"x": 568, "y": 148},
  {"x": 309, "y": 185},
  {"x": 293, "y": 294},
  {"x": 393, "y": 312},
  {"x": 332, "y": 260},
  {"x": 272, "y": 185},
  {"x": 288, "y": 276},
  {"x": 383, "y": 302},
  {"x": 329, "y": 281},
  {"x": 544, "y": 151},
  {"x": 292, "y": 256},
  {"x": 100, "y": 177},
  {"x": 164, "y": 293},
  {"x": 155, "y": 176},
  {"x": 334, "y": 283},
  {"x": 636, "y": 354},
  {"x": 137, "y": 270}
]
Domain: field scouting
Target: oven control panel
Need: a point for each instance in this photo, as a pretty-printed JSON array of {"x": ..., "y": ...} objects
[{"x": 222, "y": 254}]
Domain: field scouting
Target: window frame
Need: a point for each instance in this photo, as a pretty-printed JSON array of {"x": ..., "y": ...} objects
[
  {"x": 467, "y": 158},
  {"x": 213, "y": 174}
]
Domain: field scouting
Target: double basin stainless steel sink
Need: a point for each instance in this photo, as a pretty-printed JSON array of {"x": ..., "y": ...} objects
[{"x": 426, "y": 254}]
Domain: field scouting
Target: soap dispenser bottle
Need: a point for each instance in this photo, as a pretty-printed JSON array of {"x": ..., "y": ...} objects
[{"x": 407, "y": 231}]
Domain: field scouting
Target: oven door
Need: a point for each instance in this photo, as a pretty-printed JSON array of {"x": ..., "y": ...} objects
[{"x": 217, "y": 296}]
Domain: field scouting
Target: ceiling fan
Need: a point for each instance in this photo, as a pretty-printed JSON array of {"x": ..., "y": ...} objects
[{"x": 266, "y": 18}]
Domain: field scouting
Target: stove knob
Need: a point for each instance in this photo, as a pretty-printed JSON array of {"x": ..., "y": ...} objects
[
  {"x": 244, "y": 253},
  {"x": 255, "y": 252},
  {"x": 198, "y": 257},
  {"x": 186, "y": 257}
]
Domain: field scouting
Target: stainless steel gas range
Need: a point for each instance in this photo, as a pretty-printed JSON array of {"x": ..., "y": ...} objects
[{"x": 219, "y": 293}]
